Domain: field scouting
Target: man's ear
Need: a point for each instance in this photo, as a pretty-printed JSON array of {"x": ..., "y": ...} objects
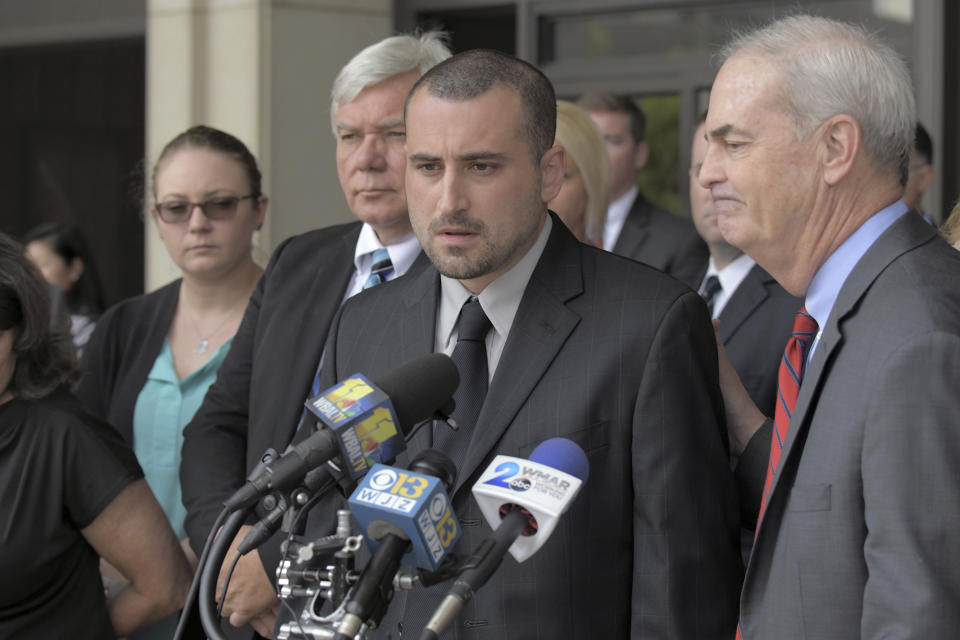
[
  {"x": 840, "y": 139},
  {"x": 640, "y": 155},
  {"x": 924, "y": 177},
  {"x": 552, "y": 168}
]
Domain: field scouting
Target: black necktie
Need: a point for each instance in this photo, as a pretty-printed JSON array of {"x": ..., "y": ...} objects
[
  {"x": 470, "y": 356},
  {"x": 710, "y": 290}
]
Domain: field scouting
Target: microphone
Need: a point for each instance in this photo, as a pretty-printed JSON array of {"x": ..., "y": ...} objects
[
  {"x": 523, "y": 501},
  {"x": 363, "y": 423},
  {"x": 408, "y": 517}
]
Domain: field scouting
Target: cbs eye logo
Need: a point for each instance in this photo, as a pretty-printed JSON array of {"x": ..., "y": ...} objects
[
  {"x": 438, "y": 506},
  {"x": 445, "y": 522},
  {"x": 407, "y": 485},
  {"x": 383, "y": 479}
]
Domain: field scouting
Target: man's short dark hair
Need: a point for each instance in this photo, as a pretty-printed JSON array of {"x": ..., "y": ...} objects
[
  {"x": 471, "y": 74},
  {"x": 606, "y": 102},
  {"x": 923, "y": 145}
]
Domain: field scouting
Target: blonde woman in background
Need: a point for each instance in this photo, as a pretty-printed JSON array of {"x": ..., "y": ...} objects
[
  {"x": 951, "y": 227},
  {"x": 583, "y": 198}
]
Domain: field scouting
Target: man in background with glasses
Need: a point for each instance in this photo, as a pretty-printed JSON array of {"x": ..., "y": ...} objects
[{"x": 274, "y": 362}]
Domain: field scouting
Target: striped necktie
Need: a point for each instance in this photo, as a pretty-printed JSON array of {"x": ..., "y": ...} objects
[
  {"x": 380, "y": 269},
  {"x": 788, "y": 389},
  {"x": 710, "y": 290}
]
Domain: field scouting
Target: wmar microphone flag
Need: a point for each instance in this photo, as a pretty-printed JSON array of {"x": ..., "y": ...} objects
[{"x": 544, "y": 486}]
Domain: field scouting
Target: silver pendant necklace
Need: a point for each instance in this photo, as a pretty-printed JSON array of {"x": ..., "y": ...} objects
[{"x": 204, "y": 343}]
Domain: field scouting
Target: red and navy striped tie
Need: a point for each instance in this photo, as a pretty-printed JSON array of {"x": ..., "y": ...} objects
[{"x": 788, "y": 389}]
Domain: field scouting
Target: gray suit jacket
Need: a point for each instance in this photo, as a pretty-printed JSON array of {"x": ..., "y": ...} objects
[
  {"x": 662, "y": 240},
  {"x": 621, "y": 359},
  {"x": 859, "y": 539}
]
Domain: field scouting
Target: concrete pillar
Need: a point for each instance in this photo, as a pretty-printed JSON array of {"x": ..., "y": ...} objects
[{"x": 261, "y": 70}]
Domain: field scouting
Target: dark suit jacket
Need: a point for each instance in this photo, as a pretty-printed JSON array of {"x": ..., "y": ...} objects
[
  {"x": 621, "y": 359},
  {"x": 662, "y": 240},
  {"x": 755, "y": 325},
  {"x": 258, "y": 396},
  {"x": 859, "y": 538}
]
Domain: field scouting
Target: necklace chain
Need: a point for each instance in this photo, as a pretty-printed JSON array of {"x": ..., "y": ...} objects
[{"x": 204, "y": 343}]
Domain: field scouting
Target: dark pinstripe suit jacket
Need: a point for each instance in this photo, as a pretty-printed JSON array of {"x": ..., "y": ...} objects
[{"x": 621, "y": 359}]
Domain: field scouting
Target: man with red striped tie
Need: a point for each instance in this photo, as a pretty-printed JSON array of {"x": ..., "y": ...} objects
[{"x": 856, "y": 478}]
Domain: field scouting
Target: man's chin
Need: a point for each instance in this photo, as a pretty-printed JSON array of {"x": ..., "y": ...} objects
[{"x": 383, "y": 215}]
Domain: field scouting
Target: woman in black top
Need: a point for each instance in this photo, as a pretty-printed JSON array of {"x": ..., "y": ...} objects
[{"x": 70, "y": 491}]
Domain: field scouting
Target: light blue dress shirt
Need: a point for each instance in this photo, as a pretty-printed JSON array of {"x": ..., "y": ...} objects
[{"x": 829, "y": 278}]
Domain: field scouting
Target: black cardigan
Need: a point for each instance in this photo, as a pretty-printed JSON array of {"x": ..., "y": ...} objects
[{"x": 121, "y": 353}]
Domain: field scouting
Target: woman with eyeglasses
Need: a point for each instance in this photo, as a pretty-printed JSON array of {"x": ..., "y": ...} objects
[
  {"x": 152, "y": 358},
  {"x": 70, "y": 490}
]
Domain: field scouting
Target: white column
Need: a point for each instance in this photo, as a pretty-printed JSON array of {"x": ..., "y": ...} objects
[{"x": 261, "y": 70}]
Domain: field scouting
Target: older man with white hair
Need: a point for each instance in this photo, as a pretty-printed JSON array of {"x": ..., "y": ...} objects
[{"x": 810, "y": 126}]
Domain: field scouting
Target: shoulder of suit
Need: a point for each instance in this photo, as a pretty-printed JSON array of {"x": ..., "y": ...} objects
[
  {"x": 613, "y": 267},
  {"x": 312, "y": 245},
  {"x": 146, "y": 305},
  {"x": 326, "y": 235},
  {"x": 660, "y": 217},
  {"x": 921, "y": 282}
]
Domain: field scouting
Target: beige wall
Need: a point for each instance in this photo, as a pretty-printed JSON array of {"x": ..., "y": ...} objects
[{"x": 262, "y": 70}]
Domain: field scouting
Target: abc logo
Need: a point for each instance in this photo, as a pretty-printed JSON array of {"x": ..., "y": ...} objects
[
  {"x": 520, "y": 484},
  {"x": 438, "y": 506},
  {"x": 383, "y": 479}
]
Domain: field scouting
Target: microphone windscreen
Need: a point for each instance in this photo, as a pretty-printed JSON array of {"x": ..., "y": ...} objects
[
  {"x": 432, "y": 462},
  {"x": 564, "y": 455},
  {"x": 420, "y": 387}
]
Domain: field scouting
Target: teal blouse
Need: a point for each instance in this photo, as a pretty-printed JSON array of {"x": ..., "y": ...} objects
[{"x": 164, "y": 407}]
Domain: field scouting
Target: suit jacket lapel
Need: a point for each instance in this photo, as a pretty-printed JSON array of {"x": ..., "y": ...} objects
[
  {"x": 542, "y": 325},
  {"x": 415, "y": 331},
  {"x": 418, "y": 322},
  {"x": 326, "y": 293},
  {"x": 906, "y": 233},
  {"x": 745, "y": 299},
  {"x": 635, "y": 229}
]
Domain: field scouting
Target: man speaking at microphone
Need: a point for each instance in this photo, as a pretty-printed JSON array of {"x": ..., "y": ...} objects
[
  {"x": 257, "y": 399},
  {"x": 552, "y": 338}
]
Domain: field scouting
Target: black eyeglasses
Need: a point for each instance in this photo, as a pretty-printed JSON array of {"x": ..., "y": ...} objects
[{"x": 219, "y": 208}]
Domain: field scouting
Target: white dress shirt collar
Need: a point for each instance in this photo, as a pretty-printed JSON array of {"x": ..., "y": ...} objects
[
  {"x": 500, "y": 301},
  {"x": 616, "y": 215},
  {"x": 402, "y": 255},
  {"x": 730, "y": 278}
]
